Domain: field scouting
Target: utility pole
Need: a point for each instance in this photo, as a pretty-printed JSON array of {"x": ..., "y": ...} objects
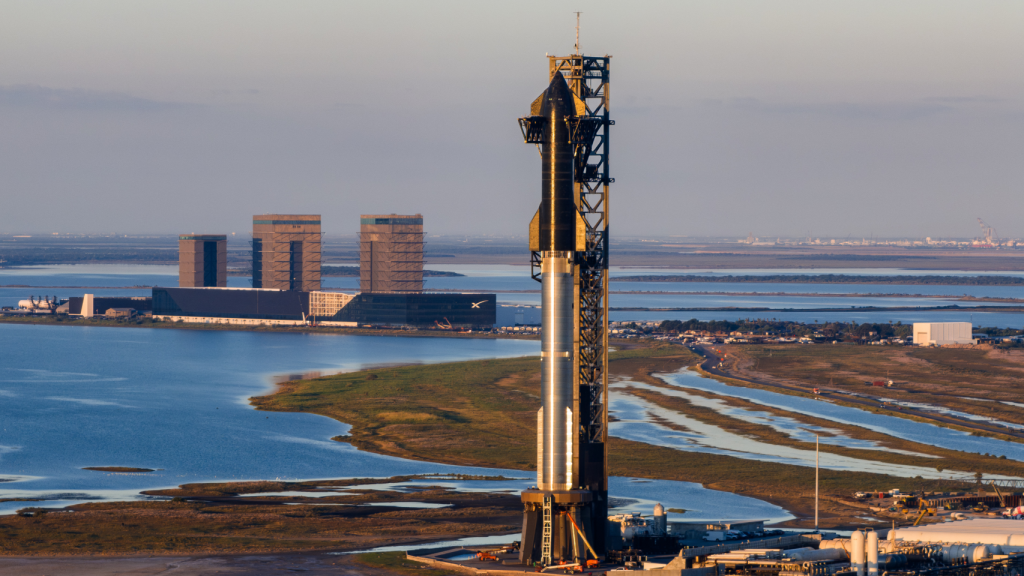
[{"x": 816, "y": 452}]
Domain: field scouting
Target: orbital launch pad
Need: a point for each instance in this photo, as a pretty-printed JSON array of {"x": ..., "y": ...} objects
[{"x": 565, "y": 515}]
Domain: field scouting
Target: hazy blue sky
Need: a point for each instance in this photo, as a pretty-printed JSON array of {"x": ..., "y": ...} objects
[{"x": 787, "y": 117}]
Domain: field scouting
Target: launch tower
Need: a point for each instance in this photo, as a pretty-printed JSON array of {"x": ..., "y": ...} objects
[{"x": 566, "y": 514}]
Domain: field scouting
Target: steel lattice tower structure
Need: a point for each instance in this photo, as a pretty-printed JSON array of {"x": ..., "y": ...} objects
[
  {"x": 588, "y": 126},
  {"x": 588, "y": 78}
]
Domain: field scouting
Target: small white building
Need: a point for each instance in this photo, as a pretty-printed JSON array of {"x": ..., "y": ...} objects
[{"x": 942, "y": 333}]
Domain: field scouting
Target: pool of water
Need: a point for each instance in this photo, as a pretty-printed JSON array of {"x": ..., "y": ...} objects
[
  {"x": 921, "y": 432},
  {"x": 634, "y": 423},
  {"x": 791, "y": 427}
]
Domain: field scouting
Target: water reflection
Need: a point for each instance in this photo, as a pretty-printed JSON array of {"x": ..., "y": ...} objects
[{"x": 191, "y": 422}]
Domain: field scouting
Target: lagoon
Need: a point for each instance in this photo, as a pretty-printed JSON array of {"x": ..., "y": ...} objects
[{"x": 177, "y": 401}]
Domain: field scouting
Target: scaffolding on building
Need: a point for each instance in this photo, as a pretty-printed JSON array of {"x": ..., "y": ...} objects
[
  {"x": 391, "y": 254},
  {"x": 289, "y": 261},
  {"x": 286, "y": 252},
  {"x": 324, "y": 305}
]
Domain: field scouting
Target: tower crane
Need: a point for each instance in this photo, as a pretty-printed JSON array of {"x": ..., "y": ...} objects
[{"x": 989, "y": 231}]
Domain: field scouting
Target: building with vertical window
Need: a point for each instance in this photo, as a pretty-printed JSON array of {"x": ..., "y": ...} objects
[
  {"x": 286, "y": 252},
  {"x": 391, "y": 254},
  {"x": 202, "y": 260},
  {"x": 943, "y": 333}
]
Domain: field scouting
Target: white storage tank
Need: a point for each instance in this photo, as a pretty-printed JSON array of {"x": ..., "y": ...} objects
[
  {"x": 871, "y": 550},
  {"x": 660, "y": 523},
  {"x": 857, "y": 552}
]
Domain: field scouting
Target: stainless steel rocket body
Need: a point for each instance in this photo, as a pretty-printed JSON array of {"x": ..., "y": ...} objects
[
  {"x": 568, "y": 255},
  {"x": 557, "y": 363},
  {"x": 558, "y": 216}
]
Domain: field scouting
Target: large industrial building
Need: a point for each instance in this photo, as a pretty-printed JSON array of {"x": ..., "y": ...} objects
[
  {"x": 91, "y": 305},
  {"x": 422, "y": 310},
  {"x": 391, "y": 254},
  {"x": 268, "y": 306},
  {"x": 286, "y": 252},
  {"x": 286, "y": 282},
  {"x": 202, "y": 260},
  {"x": 246, "y": 305},
  {"x": 943, "y": 333}
]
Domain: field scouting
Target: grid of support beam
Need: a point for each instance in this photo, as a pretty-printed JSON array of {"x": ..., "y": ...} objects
[
  {"x": 286, "y": 252},
  {"x": 391, "y": 253},
  {"x": 202, "y": 260}
]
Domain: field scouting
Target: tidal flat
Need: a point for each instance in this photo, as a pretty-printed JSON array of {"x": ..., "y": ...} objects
[
  {"x": 483, "y": 413},
  {"x": 239, "y": 518},
  {"x": 981, "y": 381},
  {"x": 154, "y": 399}
]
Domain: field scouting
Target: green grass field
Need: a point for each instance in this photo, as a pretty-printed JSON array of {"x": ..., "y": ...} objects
[{"x": 976, "y": 380}]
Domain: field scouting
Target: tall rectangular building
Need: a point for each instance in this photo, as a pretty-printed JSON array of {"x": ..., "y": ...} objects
[
  {"x": 391, "y": 253},
  {"x": 202, "y": 260},
  {"x": 286, "y": 252}
]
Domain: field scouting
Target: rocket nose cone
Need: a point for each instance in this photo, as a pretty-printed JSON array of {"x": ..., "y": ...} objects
[
  {"x": 558, "y": 97},
  {"x": 558, "y": 80}
]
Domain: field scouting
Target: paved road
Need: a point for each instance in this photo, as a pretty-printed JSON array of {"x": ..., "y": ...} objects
[{"x": 713, "y": 358}]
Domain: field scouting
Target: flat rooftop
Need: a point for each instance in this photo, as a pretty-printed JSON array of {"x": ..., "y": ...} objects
[
  {"x": 970, "y": 531},
  {"x": 203, "y": 237}
]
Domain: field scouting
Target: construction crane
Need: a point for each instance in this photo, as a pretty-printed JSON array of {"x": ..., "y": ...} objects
[
  {"x": 920, "y": 517},
  {"x": 989, "y": 231},
  {"x": 1002, "y": 499}
]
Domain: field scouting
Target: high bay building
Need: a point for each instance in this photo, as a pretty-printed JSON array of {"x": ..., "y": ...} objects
[
  {"x": 943, "y": 333},
  {"x": 286, "y": 280},
  {"x": 257, "y": 306},
  {"x": 286, "y": 252},
  {"x": 391, "y": 254},
  {"x": 202, "y": 260}
]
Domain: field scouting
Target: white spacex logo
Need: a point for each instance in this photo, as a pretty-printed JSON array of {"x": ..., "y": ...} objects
[{"x": 477, "y": 304}]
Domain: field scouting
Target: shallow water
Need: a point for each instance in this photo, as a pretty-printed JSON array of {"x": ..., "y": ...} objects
[
  {"x": 959, "y": 414},
  {"x": 635, "y": 424},
  {"x": 792, "y": 427},
  {"x": 894, "y": 426},
  {"x": 177, "y": 401},
  {"x": 504, "y": 279}
]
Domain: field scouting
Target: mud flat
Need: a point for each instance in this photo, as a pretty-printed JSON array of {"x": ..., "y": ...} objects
[
  {"x": 253, "y": 517},
  {"x": 483, "y": 413}
]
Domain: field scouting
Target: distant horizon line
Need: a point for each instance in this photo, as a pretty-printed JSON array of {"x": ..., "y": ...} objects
[{"x": 765, "y": 239}]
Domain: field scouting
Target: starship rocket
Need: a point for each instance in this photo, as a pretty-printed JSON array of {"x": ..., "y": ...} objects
[{"x": 557, "y": 224}]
